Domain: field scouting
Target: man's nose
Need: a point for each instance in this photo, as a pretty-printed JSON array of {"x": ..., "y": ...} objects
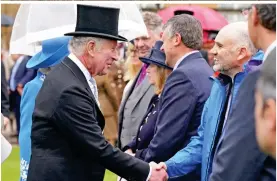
[
  {"x": 213, "y": 51},
  {"x": 115, "y": 56},
  {"x": 140, "y": 43}
]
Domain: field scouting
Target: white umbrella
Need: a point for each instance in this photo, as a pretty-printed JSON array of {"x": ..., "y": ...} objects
[
  {"x": 18, "y": 42},
  {"x": 46, "y": 21}
]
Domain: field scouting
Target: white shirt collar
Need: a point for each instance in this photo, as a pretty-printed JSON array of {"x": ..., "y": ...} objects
[
  {"x": 80, "y": 65},
  {"x": 269, "y": 49},
  {"x": 183, "y": 57}
]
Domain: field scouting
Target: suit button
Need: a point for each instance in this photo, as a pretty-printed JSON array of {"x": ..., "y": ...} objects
[{"x": 139, "y": 139}]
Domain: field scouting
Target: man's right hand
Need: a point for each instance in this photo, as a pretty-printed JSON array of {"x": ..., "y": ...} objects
[{"x": 157, "y": 174}]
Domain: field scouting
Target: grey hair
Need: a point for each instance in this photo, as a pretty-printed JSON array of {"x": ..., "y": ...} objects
[
  {"x": 153, "y": 22},
  {"x": 188, "y": 27},
  {"x": 77, "y": 44},
  {"x": 266, "y": 84},
  {"x": 240, "y": 36}
]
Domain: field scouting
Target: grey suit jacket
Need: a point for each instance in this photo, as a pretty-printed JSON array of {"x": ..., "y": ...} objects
[
  {"x": 137, "y": 109},
  {"x": 238, "y": 157}
]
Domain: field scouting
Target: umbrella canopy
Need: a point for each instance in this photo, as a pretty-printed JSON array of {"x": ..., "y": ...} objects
[
  {"x": 46, "y": 21},
  {"x": 18, "y": 42},
  {"x": 210, "y": 19},
  {"x": 6, "y": 20}
]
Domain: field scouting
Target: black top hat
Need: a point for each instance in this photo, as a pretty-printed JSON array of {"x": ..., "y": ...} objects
[
  {"x": 156, "y": 56},
  {"x": 97, "y": 21}
]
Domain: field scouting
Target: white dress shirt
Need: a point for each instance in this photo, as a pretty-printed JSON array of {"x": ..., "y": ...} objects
[
  {"x": 91, "y": 81},
  {"x": 269, "y": 49},
  {"x": 183, "y": 57}
]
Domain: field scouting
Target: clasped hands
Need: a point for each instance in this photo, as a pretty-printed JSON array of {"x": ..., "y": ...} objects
[{"x": 158, "y": 171}]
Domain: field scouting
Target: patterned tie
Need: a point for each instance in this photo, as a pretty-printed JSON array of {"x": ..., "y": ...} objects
[
  {"x": 93, "y": 87},
  {"x": 142, "y": 74}
]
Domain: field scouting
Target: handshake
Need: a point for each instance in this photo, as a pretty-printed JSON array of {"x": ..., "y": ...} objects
[{"x": 158, "y": 172}]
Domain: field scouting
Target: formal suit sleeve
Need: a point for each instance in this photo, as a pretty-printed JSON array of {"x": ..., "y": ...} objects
[
  {"x": 5, "y": 105},
  {"x": 238, "y": 156},
  {"x": 176, "y": 109},
  {"x": 77, "y": 119},
  {"x": 29, "y": 75},
  {"x": 187, "y": 159}
]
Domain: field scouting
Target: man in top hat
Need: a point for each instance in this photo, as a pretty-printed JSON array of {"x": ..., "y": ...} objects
[
  {"x": 53, "y": 51},
  {"x": 67, "y": 140}
]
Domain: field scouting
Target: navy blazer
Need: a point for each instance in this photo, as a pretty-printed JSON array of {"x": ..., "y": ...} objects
[
  {"x": 182, "y": 100},
  {"x": 23, "y": 74},
  {"x": 145, "y": 133}
]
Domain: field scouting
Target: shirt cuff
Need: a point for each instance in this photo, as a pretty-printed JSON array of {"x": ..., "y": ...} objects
[{"x": 149, "y": 175}]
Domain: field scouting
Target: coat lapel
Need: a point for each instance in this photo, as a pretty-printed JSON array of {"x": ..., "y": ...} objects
[{"x": 79, "y": 74}]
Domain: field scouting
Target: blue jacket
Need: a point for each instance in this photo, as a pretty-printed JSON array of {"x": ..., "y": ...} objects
[
  {"x": 27, "y": 105},
  {"x": 200, "y": 148}
]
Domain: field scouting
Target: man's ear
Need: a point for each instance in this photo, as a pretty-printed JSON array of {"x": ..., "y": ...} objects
[
  {"x": 177, "y": 39},
  {"x": 91, "y": 48},
  {"x": 254, "y": 16},
  {"x": 242, "y": 54}
]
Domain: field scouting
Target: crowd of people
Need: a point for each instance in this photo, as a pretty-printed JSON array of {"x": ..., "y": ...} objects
[{"x": 166, "y": 113}]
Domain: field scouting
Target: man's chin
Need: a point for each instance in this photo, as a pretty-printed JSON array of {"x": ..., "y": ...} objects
[{"x": 217, "y": 68}]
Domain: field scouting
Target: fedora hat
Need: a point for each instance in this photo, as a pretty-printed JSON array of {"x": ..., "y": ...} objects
[
  {"x": 156, "y": 56},
  {"x": 53, "y": 51},
  {"x": 97, "y": 21}
]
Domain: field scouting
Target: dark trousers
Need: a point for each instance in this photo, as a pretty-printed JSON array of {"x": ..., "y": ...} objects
[{"x": 15, "y": 100}]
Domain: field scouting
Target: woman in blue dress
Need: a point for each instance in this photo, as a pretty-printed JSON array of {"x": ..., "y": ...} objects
[
  {"x": 53, "y": 52},
  {"x": 157, "y": 73}
]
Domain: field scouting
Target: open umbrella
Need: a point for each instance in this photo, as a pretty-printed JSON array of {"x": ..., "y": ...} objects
[
  {"x": 18, "y": 42},
  {"x": 6, "y": 20},
  {"x": 53, "y": 20},
  {"x": 210, "y": 19}
]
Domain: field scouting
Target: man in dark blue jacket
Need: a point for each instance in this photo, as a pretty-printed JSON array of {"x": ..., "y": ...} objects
[
  {"x": 19, "y": 77},
  {"x": 186, "y": 89}
]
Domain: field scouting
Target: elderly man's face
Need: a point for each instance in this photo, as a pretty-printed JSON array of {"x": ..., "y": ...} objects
[
  {"x": 144, "y": 44},
  {"x": 225, "y": 53},
  {"x": 265, "y": 119},
  {"x": 103, "y": 58}
]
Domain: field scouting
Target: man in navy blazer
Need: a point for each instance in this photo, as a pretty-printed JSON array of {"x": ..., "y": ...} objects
[
  {"x": 19, "y": 77},
  {"x": 186, "y": 89},
  {"x": 238, "y": 157}
]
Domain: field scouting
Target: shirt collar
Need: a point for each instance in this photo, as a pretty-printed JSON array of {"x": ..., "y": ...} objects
[
  {"x": 183, "y": 57},
  {"x": 80, "y": 65},
  {"x": 269, "y": 49}
]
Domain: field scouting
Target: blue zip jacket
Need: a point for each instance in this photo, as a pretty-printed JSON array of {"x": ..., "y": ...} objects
[{"x": 199, "y": 151}]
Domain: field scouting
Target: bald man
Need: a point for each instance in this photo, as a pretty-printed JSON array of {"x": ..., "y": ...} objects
[{"x": 232, "y": 49}]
